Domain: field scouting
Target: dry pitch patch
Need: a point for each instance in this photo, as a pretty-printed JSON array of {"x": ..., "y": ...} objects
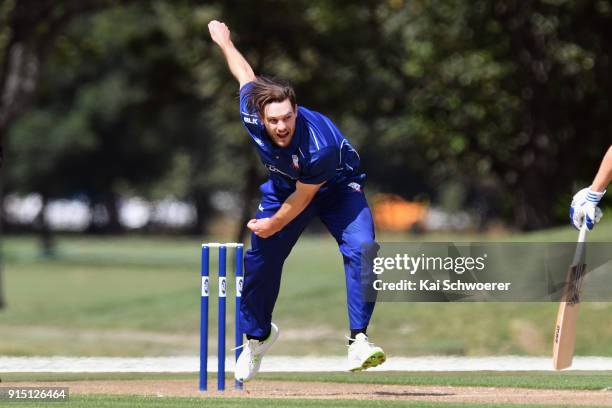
[{"x": 327, "y": 390}]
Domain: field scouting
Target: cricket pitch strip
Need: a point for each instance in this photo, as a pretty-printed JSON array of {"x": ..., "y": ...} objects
[{"x": 338, "y": 391}]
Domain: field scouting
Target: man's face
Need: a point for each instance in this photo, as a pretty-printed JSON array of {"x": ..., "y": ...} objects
[{"x": 279, "y": 119}]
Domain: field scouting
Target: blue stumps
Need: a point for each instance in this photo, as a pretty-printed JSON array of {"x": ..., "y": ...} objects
[
  {"x": 239, "y": 282},
  {"x": 204, "y": 317},
  {"x": 221, "y": 331},
  {"x": 222, "y": 296}
]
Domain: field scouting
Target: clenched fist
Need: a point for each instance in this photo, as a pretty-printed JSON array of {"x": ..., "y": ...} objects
[
  {"x": 219, "y": 32},
  {"x": 263, "y": 227}
]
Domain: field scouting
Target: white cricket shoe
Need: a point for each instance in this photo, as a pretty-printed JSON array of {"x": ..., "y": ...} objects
[
  {"x": 250, "y": 359},
  {"x": 363, "y": 354}
]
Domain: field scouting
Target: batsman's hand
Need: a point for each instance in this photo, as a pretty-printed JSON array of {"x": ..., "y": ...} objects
[
  {"x": 584, "y": 208},
  {"x": 219, "y": 32},
  {"x": 263, "y": 227}
]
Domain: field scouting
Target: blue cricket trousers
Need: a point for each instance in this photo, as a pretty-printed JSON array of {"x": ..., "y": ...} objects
[{"x": 345, "y": 213}]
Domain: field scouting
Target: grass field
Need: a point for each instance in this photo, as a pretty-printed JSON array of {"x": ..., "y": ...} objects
[
  {"x": 132, "y": 296},
  {"x": 596, "y": 381},
  {"x": 566, "y": 380},
  {"x": 107, "y": 401}
]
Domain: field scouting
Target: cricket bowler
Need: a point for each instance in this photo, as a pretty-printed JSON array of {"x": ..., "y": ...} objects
[
  {"x": 313, "y": 171},
  {"x": 584, "y": 204}
]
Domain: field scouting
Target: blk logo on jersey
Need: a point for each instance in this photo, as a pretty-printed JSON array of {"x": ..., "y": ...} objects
[
  {"x": 252, "y": 121},
  {"x": 296, "y": 162}
]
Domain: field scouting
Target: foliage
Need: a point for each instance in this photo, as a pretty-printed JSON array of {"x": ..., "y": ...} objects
[{"x": 504, "y": 102}]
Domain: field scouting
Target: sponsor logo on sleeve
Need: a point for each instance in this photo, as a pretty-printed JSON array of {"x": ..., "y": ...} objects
[{"x": 251, "y": 120}]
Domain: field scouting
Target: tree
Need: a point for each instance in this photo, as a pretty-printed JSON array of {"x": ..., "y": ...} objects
[
  {"x": 506, "y": 98},
  {"x": 29, "y": 32}
]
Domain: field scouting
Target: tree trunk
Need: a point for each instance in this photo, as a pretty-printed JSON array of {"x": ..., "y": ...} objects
[
  {"x": 533, "y": 163},
  {"x": 249, "y": 194},
  {"x": 111, "y": 205},
  {"x": 47, "y": 243},
  {"x": 203, "y": 212}
]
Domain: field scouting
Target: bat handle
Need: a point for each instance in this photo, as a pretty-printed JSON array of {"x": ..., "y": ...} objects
[
  {"x": 580, "y": 246},
  {"x": 583, "y": 232}
]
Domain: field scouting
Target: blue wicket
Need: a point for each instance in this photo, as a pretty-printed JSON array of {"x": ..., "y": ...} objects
[
  {"x": 222, "y": 295},
  {"x": 239, "y": 282},
  {"x": 221, "y": 320},
  {"x": 204, "y": 318}
]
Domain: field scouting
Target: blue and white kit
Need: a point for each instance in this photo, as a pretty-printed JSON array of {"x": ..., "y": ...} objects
[{"x": 318, "y": 152}]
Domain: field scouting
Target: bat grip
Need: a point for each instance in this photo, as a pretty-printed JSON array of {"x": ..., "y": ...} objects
[{"x": 580, "y": 247}]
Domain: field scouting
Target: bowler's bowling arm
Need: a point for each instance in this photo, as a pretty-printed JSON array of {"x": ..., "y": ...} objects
[
  {"x": 238, "y": 65},
  {"x": 295, "y": 204}
]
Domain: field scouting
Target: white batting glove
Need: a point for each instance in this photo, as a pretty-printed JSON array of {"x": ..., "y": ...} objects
[{"x": 584, "y": 208}]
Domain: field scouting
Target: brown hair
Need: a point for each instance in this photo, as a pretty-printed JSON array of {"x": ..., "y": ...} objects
[{"x": 267, "y": 90}]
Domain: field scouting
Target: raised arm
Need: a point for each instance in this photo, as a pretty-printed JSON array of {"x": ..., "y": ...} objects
[{"x": 237, "y": 64}]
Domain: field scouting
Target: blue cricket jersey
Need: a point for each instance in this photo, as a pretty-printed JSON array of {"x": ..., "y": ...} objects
[{"x": 318, "y": 151}]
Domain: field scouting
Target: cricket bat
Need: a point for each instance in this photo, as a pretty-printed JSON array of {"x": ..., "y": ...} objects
[{"x": 565, "y": 329}]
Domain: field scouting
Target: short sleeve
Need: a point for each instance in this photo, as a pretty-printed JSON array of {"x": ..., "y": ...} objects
[
  {"x": 250, "y": 119},
  {"x": 322, "y": 166}
]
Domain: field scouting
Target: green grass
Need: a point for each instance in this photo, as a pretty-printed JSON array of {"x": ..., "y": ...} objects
[
  {"x": 542, "y": 380},
  {"x": 139, "y": 296},
  {"x": 537, "y": 380},
  {"x": 567, "y": 380},
  {"x": 108, "y": 401}
]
